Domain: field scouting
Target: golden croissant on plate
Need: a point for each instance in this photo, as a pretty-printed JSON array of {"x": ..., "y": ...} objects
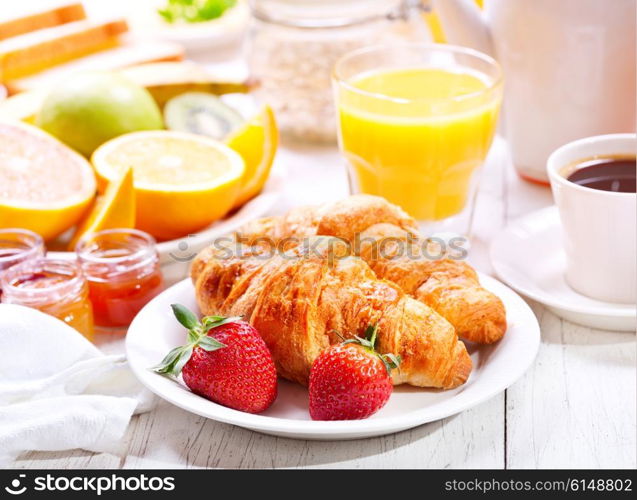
[
  {"x": 311, "y": 296},
  {"x": 387, "y": 239}
]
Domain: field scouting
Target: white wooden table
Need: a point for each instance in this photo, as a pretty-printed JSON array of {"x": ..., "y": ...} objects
[{"x": 574, "y": 408}]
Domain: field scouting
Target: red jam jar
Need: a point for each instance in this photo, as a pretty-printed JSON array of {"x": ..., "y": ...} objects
[
  {"x": 55, "y": 287},
  {"x": 122, "y": 269},
  {"x": 18, "y": 245}
]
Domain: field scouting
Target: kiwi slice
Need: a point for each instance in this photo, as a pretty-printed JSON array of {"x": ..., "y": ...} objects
[{"x": 201, "y": 113}]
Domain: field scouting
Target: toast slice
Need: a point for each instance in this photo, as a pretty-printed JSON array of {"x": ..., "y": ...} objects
[
  {"x": 119, "y": 57},
  {"x": 33, "y": 19},
  {"x": 27, "y": 54}
]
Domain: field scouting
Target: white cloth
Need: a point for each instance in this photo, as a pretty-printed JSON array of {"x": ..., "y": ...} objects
[{"x": 57, "y": 390}]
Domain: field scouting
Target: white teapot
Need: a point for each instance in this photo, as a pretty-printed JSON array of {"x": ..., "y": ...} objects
[{"x": 569, "y": 68}]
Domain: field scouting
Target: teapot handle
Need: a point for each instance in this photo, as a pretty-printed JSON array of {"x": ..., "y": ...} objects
[
  {"x": 464, "y": 24},
  {"x": 413, "y": 12}
]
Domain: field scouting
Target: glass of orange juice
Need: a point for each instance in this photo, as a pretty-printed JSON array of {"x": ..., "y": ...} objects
[{"x": 416, "y": 122}]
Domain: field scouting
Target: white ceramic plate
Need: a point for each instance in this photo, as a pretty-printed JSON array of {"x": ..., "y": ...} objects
[
  {"x": 155, "y": 331},
  {"x": 528, "y": 256}
]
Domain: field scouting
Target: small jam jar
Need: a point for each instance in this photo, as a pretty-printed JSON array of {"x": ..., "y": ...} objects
[
  {"x": 55, "y": 287},
  {"x": 18, "y": 245},
  {"x": 122, "y": 269}
]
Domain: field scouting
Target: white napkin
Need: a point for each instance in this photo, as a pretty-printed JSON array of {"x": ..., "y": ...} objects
[{"x": 57, "y": 390}]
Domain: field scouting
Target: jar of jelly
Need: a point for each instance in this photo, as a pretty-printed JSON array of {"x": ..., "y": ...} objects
[
  {"x": 55, "y": 287},
  {"x": 122, "y": 269},
  {"x": 18, "y": 245}
]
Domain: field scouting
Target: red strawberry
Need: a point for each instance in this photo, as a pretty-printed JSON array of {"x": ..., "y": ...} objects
[
  {"x": 351, "y": 381},
  {"x": 225, "y": 360}
]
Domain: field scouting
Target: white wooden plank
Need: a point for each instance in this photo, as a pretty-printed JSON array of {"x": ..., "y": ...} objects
[
  {"x": 523, "y": 196},
  {"x": 171, "y": 437},
  {"x": 73, "y": 459},
  {"x": 489, "y": 212},
  {"x": 575, "y": 408},
  {"x": 316, "y": 174}
]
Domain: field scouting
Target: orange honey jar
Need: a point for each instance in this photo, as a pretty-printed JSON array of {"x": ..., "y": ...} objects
[
  {"x": 55, "y": 287},
  {"x": 123, "y": 273}
]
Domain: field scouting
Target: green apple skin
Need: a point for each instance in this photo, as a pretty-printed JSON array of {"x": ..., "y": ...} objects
[{"x": 88, "y": 109}]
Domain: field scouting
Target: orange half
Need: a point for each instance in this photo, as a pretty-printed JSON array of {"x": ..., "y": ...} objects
[{"x": 182, "y": 182}]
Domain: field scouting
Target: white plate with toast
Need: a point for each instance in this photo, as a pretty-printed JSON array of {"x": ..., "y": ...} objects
[{"x": 155, "y": 331}]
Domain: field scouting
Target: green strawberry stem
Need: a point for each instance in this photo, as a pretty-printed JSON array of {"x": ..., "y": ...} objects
[
  {"x": 175, "y": 360},
  {"x": 390, "y": 360}
]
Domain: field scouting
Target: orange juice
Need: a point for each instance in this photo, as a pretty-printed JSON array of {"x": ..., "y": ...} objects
[{"x": 416, "y": 135}]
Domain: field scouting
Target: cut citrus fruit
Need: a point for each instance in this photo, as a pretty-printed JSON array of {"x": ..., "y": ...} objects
[
  {"x": 183, "y": 182},
  {"x": 256, "y": 141},
  {"x": 113, "y": 210},
  {"x": 44, "y": 186}
]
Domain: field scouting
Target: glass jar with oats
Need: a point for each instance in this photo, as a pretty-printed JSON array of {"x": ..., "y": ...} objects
[{"x": 293, "y": 45}]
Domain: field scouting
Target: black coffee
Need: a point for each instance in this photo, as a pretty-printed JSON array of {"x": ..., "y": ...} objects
[{"x": 610, "y": 173}]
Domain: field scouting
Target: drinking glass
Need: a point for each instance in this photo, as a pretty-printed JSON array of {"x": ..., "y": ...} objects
[{"x": 416, "y": 122}]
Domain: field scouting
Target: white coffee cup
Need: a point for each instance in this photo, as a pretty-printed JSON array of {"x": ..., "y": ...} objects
[{"x": 599, "y": 227}]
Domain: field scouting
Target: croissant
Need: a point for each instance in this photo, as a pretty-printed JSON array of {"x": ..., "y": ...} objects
[
  {"x": 451, "y": 287},
  {"x": 309, "y": 297}
]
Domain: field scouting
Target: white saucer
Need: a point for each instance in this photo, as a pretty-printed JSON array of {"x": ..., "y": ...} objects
[
  {"x": 495, "y": 367},
  {"x": 528, "y": 256}
]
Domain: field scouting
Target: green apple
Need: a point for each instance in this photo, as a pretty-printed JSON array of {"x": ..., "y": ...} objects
[{"x": 88, "y": 109}]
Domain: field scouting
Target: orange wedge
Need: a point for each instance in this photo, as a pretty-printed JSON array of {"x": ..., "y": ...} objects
[
  {"x": 256, "y": 141},
  {"x": 182, "y": 182},
  {"x": 112, "y": 210},
  {"x": 44, "y": 185}
]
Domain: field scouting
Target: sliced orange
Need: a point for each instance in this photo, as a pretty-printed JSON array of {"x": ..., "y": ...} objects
[
  {"x": 44, "y": 185},
  {"x": 182, "y": 182},
  {"x": 256, "y": 141},
  {"x": 112, "y": 210}
]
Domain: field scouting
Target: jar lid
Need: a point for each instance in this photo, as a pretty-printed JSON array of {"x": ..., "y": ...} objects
[
  {"x": 322, "y": 13},
  {"x": 42, "y": 281},
  {"x": 115, "y": 252}
]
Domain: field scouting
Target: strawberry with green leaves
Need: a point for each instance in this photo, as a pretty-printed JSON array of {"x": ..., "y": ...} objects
[
  {"x": 351, "y": 381},
  {"x": 225, "y": 360}
]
